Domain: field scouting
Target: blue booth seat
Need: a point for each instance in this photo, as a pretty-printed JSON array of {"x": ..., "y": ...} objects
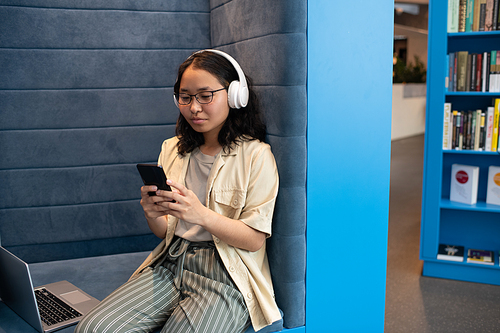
[{"x": 86, "y": 93}]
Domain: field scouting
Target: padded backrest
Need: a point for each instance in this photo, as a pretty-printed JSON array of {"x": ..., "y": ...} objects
[
  {"x": 268, "y": 38},
  {"x": 85, "y": 94}
]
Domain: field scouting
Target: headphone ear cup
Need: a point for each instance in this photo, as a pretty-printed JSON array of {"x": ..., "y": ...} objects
[
  {"x": 232, "y": 95},
  {"x": 175, "y": 102}
]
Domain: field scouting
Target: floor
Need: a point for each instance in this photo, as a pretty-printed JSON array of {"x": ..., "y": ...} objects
[{"x": 421, "y": 304}]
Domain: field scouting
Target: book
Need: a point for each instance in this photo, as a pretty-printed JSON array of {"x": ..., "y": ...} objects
[
  {"x": 462, "y": 70},
  {"x": 489, "y": 128},
  {"x": 462, "y": 13},
  {"x": 447, "y": 126},
  {"x": 482, "y": 135},
  {"x": 486, "y": 72},
  {"x": 464, "y": 182},
  {"x": 469, "y": 16},
  {"x": 493, "y": 191},
  {"x": 453, "y": 11},
  {"x": 488, "y": 18},
  {"x": 496, "y": 116},
  {"x": 475, "y": 16},
  {"x": 493, "y": 71},
  {"x": 495, "y": 15},
  {"x": 479, "y": 72},
  {"x": 477, "y": 132},
  {"x": 450, "y": 252},
  {"x": 482, "y": 15},
  {"x": 480, "y": 257}
]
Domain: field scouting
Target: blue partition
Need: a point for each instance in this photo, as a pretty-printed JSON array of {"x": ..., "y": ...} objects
[{"x": 349, "y": 138}]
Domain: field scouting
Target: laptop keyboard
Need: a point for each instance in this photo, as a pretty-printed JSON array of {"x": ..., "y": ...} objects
[{"x": 52, "y": 309}]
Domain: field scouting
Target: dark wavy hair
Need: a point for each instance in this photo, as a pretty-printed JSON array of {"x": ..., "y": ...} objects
[{"x": 241, "y": 124}]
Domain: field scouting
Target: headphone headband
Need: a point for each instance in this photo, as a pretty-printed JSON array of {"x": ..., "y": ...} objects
[{"x": 237, "y": 93}]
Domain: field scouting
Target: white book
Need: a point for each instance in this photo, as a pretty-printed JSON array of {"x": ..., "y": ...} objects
[
  {"x": 485, "y": 73},
  {"x": 453, "y": 10},
  {"x": 493, "y": 191},
  {"x": 464, "y": 182},
  {"x": 447, "y": 126}
]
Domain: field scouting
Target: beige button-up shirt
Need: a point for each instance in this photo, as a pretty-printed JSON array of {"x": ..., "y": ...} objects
[{"x": 242, "y": 185}]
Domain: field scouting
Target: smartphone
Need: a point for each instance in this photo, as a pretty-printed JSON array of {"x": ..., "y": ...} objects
[{"x": 153, "y": 174}]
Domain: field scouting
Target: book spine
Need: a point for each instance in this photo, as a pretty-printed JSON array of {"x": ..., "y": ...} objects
[
  {"x": 494, "y": 136},
  {"x": 482, "y": 15},
  {"x": 487, "y": 71},
  {"x": 497, "y": 73},
  {"x": 493, "y": 62},
  {"x": 475, "y": 15},
  {"x": 497, "y": 113},
  {"x": 488, "y": 19},
  {"x": 469, "y": 16},
  {"x": 489, "y": 128},
  {"x": 473, "y": 72},
  {"x": 479, "y": 71},
  {"x": 494, "y": 19},
  {"x": 477, "y": 131},
  {"x": 446, "y": 126},
  {"x": 461, "y": 133},
  {"x": 462, "y": 15},
  {"x": 458, "y": 129},
  {"x": 468, "y": 72},
  {"x": 453, "y": 11},
  {"x": 482, "y": 136},
  {"x": 454, "y": 129},
  {"x": 462, "y": 70}
]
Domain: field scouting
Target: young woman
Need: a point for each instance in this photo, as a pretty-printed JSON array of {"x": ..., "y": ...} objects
[{"x": 210, "y": 273}]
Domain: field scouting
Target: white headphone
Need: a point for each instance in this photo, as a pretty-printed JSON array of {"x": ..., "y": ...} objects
[{"x": 237, "y": 93}]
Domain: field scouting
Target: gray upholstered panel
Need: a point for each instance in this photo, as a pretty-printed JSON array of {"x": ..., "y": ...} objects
[
  {"x": 150, "y": 5},
  {"x": 88, "y": 69},
  {"x": 103, "y": 29},
  {"x": 268, "y": 38},
  {"x": 81, "y": 146},
  {"x": 85, "y": 94},
  {"x": 86, "y": 108}
]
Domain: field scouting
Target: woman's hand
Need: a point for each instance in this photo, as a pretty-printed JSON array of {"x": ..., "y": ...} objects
[
  {"x": 188, "y": 208},
  {"x": 182, "y": 203},
  {"x": 154, "y": 210}
]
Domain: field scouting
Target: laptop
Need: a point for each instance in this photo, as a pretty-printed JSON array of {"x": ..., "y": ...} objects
[{"x": 47, "y": 308}]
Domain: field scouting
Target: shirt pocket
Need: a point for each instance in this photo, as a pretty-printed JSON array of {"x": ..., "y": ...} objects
[{"x": 230, "y": 202}]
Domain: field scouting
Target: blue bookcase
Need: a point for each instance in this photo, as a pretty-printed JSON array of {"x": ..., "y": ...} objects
[{"x": 443, "y": 221}]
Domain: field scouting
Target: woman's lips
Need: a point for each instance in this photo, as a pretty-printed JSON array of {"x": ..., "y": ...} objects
[{"x": 197, "y": 120}]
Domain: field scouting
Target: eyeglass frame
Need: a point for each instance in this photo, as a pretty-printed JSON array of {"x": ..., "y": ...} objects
[{"x": 177, "y": 96}]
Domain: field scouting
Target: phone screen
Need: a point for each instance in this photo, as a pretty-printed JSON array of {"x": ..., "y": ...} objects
[{"x": 153, "y": 174}]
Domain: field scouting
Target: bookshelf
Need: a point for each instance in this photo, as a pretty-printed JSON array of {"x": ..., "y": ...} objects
[{"x": 443, "y": 221}]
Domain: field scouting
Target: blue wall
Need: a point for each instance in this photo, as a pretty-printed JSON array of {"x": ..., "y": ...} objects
[{"x": 349, "y": 136}]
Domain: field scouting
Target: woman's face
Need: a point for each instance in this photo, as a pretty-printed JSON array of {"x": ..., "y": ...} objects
[{"x": 204, "y": 118}]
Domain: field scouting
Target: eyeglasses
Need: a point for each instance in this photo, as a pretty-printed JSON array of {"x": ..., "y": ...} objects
[{"x": 203, "y": 97}]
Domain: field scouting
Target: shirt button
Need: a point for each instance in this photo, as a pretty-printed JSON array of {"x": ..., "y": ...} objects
[
  {"x": 249, "y": 295},
  {"x": 235, "y": 202},
  {"x": 232, "y": 269},
  {"x": 216, "y": 240}
]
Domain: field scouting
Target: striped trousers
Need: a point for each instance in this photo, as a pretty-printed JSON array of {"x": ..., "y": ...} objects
[{"x": 190, "y": 291}]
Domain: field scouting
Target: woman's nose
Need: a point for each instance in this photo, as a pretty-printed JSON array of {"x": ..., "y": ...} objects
[{"x": 195, "y": 106}]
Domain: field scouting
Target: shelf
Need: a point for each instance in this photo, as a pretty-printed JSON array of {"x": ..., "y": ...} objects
[
  {"x": 472, "y": 93},
  {"x": 467, "y": 264},
  {"x": 462, "y": 271},
  {"x": 470, "y": 152},
  {"x": 480, "y": 206},
  {"x": 474, "y": 34}
]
